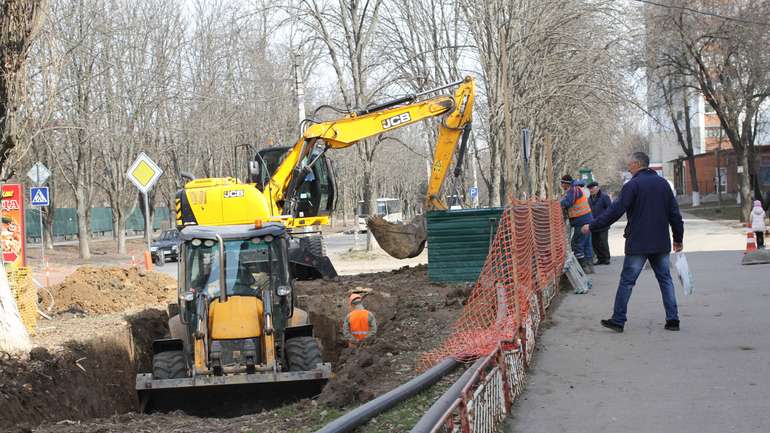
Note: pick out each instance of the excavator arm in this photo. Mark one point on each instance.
(347, 131)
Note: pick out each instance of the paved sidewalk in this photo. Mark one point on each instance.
(712, 376)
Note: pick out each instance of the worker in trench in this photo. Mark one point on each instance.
(360, 323)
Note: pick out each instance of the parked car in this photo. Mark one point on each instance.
(165, 247)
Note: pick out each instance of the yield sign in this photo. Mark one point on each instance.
(144, 173)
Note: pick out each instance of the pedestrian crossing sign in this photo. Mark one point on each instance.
(39, 196)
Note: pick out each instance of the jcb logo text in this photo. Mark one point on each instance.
(396, 120)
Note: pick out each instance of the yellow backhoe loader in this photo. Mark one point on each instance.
(235, 323)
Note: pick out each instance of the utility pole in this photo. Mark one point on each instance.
(299, 86)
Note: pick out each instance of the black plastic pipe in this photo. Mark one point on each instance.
(369, 410)
(439, 408)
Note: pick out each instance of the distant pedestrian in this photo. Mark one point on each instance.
(758, 223)
(575, 201)
(650, 208)
(360, 323)
(599, 202)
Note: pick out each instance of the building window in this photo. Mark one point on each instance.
(714, 131)
(679, 115)
(709, 108)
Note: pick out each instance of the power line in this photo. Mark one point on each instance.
(706, 13)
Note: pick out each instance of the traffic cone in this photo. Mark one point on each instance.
(751, 242)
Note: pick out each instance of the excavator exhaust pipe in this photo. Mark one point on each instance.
(400, 240)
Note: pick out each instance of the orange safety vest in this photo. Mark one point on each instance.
(359, 324)
(580, 207)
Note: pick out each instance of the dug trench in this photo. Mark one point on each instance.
(86, 384)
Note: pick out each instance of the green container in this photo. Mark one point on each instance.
(458, 242)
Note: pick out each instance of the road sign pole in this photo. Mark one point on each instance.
(147, 227)
(42, 238)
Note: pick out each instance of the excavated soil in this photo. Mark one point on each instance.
(78, 379)
(413, 314)
(103, 290)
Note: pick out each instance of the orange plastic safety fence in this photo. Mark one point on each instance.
(526, 255)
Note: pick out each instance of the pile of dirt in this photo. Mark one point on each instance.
(102, 290)
(78, 379)
(413, 315)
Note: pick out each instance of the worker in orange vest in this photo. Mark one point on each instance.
(360, 323)
(575, 201)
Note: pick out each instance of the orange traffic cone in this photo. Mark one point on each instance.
(751, 242)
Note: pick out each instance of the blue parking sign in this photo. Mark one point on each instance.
(473, 192)
(38, 196)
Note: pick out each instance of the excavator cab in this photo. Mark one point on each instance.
(315, 191)
(235, 322)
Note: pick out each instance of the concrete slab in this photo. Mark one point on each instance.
(712, 376)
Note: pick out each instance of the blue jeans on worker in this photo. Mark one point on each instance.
(581, 244)
(632, 267)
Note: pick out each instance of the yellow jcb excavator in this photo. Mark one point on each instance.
(235, 323)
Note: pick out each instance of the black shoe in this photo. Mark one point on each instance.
(603, 262)
(612, 325)
(672, 325)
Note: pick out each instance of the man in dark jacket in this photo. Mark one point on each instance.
(600, 202)
(650, 208)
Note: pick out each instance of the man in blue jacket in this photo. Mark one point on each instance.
(600, 202)
(650, 207)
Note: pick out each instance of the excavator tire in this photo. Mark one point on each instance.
(315, 245)
(169, 365)
(400, 240)
(303, 353)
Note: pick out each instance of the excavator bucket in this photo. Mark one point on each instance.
(400, 240)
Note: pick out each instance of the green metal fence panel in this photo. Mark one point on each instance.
(32, 222)
(66, 221)
(458, 242)
(136, 220)
(101, 220)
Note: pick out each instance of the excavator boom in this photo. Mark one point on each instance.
(399, 240)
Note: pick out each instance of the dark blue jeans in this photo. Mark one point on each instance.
(581, 244)
(632, 267)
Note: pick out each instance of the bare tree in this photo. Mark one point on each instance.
(726, 56)
(19, 23)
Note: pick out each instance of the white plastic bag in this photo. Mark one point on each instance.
(684, 274)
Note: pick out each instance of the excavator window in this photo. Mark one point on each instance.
(246, 267)
(318, 188)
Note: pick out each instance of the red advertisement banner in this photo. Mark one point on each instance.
(12, 224)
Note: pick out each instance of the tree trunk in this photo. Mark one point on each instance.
(494, 177)
(48, 221)
(693, 180)
(121, 233)
(13, 335)
(83, 229)
(745, 186)
(367, 196)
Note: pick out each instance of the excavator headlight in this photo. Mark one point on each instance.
(283, 290)
(196, 242)
(208, 243)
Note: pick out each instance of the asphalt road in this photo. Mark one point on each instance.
(712, 376)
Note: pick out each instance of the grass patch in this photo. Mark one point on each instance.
(405, 415)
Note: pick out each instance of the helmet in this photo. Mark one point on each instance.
(355, 298)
